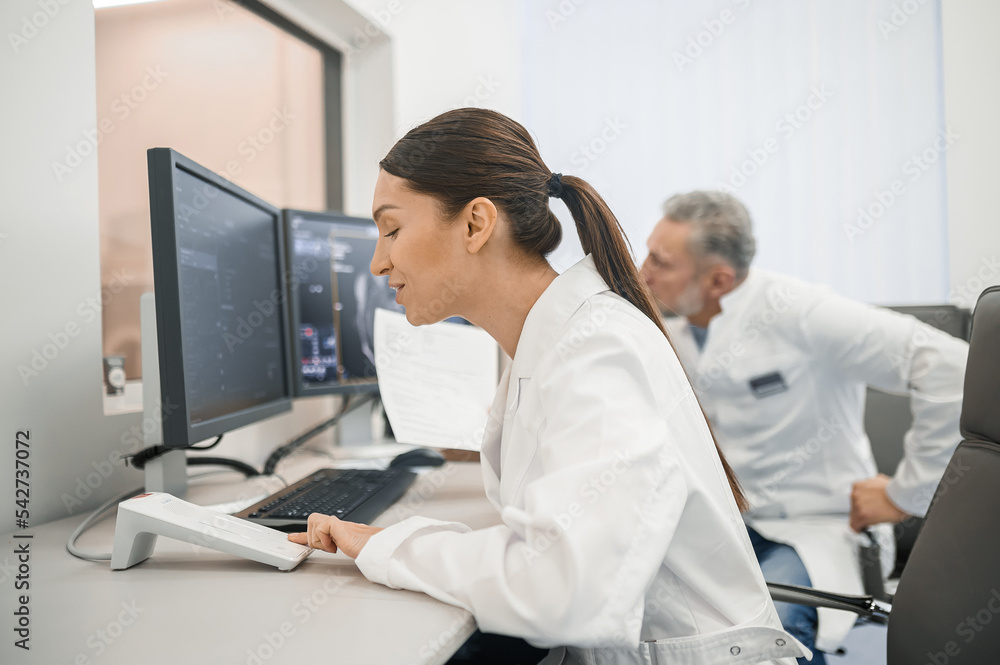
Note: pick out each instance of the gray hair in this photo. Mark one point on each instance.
(722, 227)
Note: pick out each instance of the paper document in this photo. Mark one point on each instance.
(437, 382)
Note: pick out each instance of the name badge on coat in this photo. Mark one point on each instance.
(766, 385)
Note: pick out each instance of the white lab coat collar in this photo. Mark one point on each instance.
(756, 287)
(737, 299)
(546, 318)
(739, 292)
(687, 349)
(552, 311)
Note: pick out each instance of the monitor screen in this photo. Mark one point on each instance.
(333, 301)
(221, 314)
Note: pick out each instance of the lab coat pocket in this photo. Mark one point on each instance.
(765, 389)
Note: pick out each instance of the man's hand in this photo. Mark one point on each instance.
(331, 534)
(870, 503)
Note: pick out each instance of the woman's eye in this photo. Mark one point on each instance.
(391, 234)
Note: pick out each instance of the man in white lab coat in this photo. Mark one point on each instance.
(781, 368)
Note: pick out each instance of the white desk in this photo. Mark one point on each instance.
(187, 604)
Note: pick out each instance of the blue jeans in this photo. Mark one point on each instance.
(780, 563)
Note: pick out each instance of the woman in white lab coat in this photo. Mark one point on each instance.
(621, 539)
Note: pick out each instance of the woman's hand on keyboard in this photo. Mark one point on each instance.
(331, 534)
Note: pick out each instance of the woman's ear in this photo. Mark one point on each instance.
(479, 220)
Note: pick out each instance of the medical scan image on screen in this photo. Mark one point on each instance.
(337, 296)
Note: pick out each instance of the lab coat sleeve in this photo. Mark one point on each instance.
(898, 353)
(572, 565)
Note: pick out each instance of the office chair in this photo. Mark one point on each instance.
(946, 610)
(887, 419)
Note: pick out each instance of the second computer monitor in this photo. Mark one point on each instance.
(333, 298)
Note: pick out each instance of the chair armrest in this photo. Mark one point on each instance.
(864, 606)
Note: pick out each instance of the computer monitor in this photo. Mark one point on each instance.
(333, 297)
(221, 313)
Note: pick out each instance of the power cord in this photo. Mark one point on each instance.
(138, 460)
(236, 464)
(103, 508)
(209, 446)
(279, 454)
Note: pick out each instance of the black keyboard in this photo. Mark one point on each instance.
(353, 495)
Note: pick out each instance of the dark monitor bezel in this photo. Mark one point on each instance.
(178, 432)
(301, 388)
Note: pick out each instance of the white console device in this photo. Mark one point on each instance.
(142, 518)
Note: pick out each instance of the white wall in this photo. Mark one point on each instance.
(49, 264)
(450, 53)
(410, 61)
(443, 49)
(801, 109)
(972, 109)
(368, 94)
(49, 260)
(442, 54)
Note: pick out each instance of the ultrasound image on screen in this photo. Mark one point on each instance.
(231, 323)
(338, 297)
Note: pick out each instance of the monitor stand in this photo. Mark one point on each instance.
(168, 472)
(362, 426)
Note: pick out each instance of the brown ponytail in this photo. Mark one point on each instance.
(601, 236)
(471, 152)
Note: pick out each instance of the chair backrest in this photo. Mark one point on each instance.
(888, 418)
(947, 606)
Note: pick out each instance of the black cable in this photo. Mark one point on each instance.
(283, 451)
(280, 453)
(138, 460)
(243, 467)
(209, 446)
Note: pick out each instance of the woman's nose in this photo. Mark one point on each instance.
(380, 260)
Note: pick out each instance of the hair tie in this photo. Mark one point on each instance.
(555, 185)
